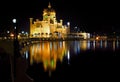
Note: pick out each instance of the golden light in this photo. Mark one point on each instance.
(19, 36)
(48, 53)
(12, 35)
(97, 38)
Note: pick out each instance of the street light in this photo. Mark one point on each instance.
(14, 20)
(15, 29)
(68, 23)
(16, 46)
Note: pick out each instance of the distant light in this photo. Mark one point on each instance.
(68, 55)
(97, 38)
(14, 20)
(8, 31)
(88, 35)
(26, 53)
(11, 35)
(26, 33)
(76, 27)
(19, 33)
(101, 43)
(15, 27)
(22, 32)
(68, 23)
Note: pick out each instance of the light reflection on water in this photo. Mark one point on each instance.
(49, 53)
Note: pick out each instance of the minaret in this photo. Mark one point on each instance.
(61, 22)
(31, 29)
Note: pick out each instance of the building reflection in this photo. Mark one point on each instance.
(114, 45)
(48, 53)
(85, 45)
(117, 44)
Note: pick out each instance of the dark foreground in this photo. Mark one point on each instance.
(91, 65)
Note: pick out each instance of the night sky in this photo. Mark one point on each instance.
(89, 16)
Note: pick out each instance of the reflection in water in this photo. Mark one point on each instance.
(94, 44)
(83, 45)
(117, 44)
(101, 44)
(114, 45)
(50, 52)
(76, 46)
(26, 54)
(68, 56)
(105, 43)
(88, 44)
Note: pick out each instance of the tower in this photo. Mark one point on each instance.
(31, 28)
(49, 14)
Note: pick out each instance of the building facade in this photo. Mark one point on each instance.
(49, 26)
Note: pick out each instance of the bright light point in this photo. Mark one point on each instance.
(11, 35)
(68, 23)
(68, 55)
(22, 32)
(26, 54)
(14, 20)
(26, 33)
(97, 38)
(15, 27)
(88, 35)
(8, 31)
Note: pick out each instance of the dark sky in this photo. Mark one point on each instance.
(90, 16)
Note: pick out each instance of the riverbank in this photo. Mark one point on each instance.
(6, 46)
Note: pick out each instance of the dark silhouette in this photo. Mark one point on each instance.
(5, 66)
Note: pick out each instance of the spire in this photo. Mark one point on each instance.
(49, 5)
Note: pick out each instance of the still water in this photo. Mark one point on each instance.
(60, 60)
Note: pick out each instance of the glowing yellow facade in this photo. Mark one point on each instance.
(49, 26)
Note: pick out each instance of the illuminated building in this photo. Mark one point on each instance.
(49, 26)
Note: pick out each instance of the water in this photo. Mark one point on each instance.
(72, 60)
